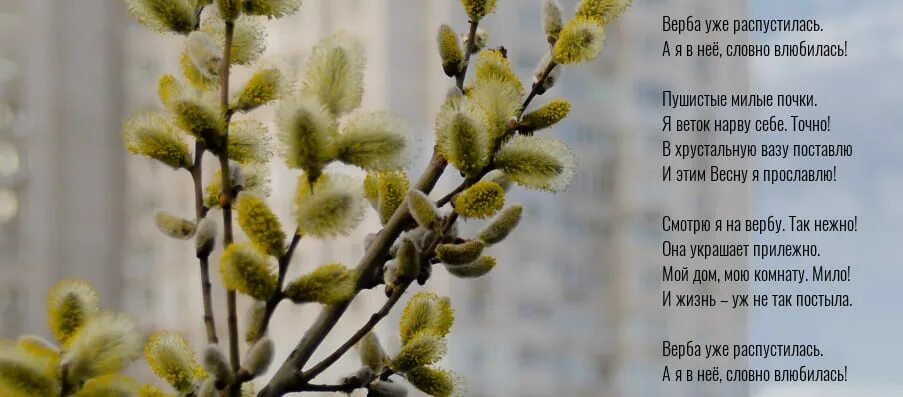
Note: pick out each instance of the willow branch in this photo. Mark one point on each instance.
(278, 295)
(203, 258)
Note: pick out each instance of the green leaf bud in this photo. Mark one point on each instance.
(477, 9)
(259, 357)
(481, 200)
(391, 193)
(537, 162)
(171, 358)
(459, 254)
(424, 348)
(215, 364)
(423, 210)
(581, 40)
(174, 226)
(70, 304)
(333, 206)
(249, 142)
(475, 269)
(335, 73)
(246, 270)
(462, 136)
(493, 65)
(111, 385)
(23, 375)
(502, 225)
(307, 132)
(433, 381)
(375, 141)
(546, 116)
(551, 18)
(603, 11)
(260, 224)
(105, 344)
(204, 53)
(371, 352)
(426, 312)
(271, 8)
(381, 388)
(152, 135)
(449, 50)
(163, 15)
(328, 284)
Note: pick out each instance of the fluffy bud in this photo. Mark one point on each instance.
(374, 141)
(477, 9)
(335, 73)
(423, 210)
(194, 76)
(542, 81)
(449, 50)
(500, 102)
(537, 162)
(163, 15)
(307, 132)
(371, 189)
(462, 136)
(249, 142)
(105, 344)
(603, 11)
(481, 38)
(271, 8)
(264, 86)
(248, 39)
(228, 9)
(481, 200)
(381, 388)
(168, 89)
(111, 385)
(174, 226)
(493, 65)
(215, 364)
(459, 254)
(426, 312)
(39, 347)
(327, 284)
(423, 348)
(170, 357)
(153, 136)
(551, 18)
(197, 118)
(260, 224)
(408, 259)
(22, 375)
(499, 177)
(390, 275)
(208, 389)
(581, 40)
(259, 357)
(432, 381)
(546, 116)
(502, 225)
(475, 269)
(371, 352)
(204, 53)
(70, 304)
(333, 206)
(253, 321)
(391, 191)
(246, 270)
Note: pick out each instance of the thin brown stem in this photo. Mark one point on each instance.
(471, 47)
(203, 257)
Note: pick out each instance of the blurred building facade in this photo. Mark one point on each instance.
(572, 310)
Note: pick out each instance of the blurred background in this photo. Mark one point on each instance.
(574, 307)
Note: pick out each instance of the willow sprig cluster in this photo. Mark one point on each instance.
(485, 129)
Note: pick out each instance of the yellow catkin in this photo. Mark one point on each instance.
(482, 200)
(580, 40)
(260, 224)
(246, 270)
(546, 116)
(327, 284)
(171, 358)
